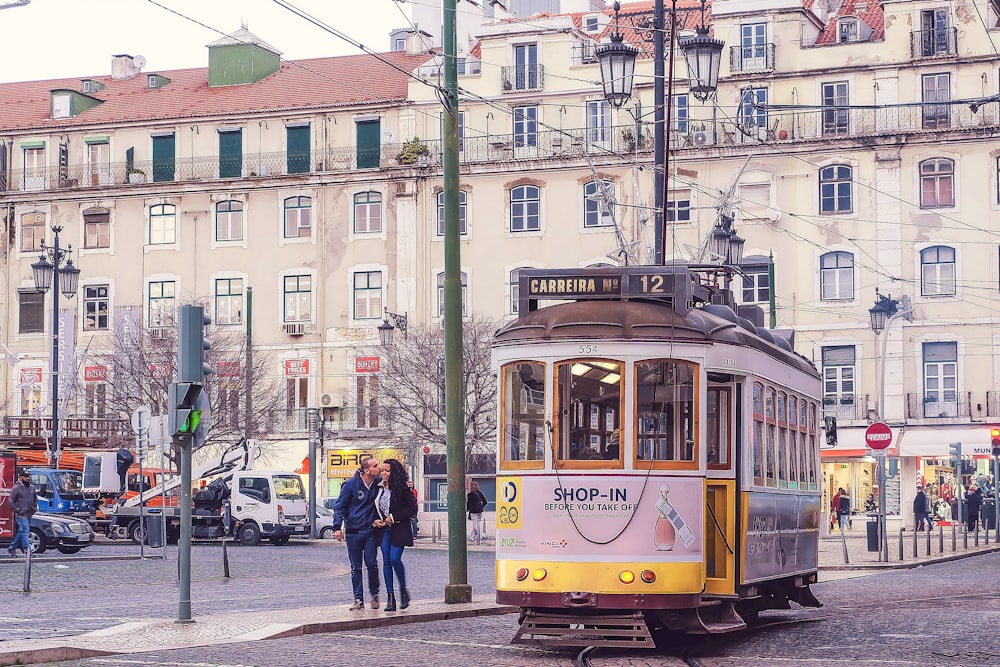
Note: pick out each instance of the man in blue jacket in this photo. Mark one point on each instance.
(355, 510)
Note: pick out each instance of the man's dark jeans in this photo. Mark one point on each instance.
(362, 547)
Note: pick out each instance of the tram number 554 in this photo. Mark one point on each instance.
(587, 349)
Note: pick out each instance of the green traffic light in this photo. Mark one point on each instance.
(190, 424)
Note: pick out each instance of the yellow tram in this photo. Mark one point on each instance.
(658, 458)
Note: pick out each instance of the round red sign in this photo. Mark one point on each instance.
(878, 435)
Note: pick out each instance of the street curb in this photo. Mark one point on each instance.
(909, 565)
(383, 621)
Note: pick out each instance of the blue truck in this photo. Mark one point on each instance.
(61, 492)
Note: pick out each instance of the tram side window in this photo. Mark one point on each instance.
(758, 434)
(664, 407)
(718, 427)
(770, 431)
(590, 395)
(813, 446)
(784, 462)
(523, 415)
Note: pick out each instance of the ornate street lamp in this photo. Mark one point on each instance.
(386, 329)
(617, 61)
(55, 266)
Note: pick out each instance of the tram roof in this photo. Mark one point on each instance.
(641, 320)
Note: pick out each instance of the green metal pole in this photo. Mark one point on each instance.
(770, 291)
(458, 589)
(248, 375)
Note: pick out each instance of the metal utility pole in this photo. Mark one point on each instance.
(458, 589)
(313, 424)
(248, 379)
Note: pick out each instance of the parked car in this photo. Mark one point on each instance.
(324, 522)
(328, 502)
(65, 533)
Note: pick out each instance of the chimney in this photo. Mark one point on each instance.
(124, 66)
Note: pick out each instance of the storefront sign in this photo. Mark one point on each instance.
(228, 369)
(161, 371)
(341, 463)
(95, 373)
(297, 367)
(367, 364)
(30, 376)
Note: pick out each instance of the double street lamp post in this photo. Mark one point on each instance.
(55, 266)
(703, 54)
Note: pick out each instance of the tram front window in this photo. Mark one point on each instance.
(590, 394)
(664, 407)
(523, 412)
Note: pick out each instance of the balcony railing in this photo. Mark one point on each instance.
(697, 134)
(95, 431)
(993, 404)
(343, 420)
(846, 407)
(515, 78)
(755, 58)
(934, 43)
(943, 405)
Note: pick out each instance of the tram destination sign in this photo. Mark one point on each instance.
(672, 285)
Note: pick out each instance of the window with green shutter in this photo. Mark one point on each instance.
(369, 143)
(230, 153)
(164, 157)
(298, 149)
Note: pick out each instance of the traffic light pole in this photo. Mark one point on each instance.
(183, 445)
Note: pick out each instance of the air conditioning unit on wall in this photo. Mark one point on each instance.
(295, 329)
(702, 138)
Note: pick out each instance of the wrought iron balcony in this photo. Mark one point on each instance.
(846, 407)
(754, 58)
(934, 43)
(940, 405)
(76, 431)
(516, 78)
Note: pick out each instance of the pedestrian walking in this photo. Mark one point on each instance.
(844, 510)
(920, 509)
(355, 512)
(395, 505)
(24, 502)
(973, 501)
(475, 505)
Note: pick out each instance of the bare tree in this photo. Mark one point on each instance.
(412, 389)
(141, 365)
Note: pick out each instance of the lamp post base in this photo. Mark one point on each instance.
(457, 593)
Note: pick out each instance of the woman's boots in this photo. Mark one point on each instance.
(404, 597)
(390, 604)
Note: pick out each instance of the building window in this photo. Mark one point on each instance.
(229, 221)
(835, 189)
(937, 183)
(230, 153)
(525, 127)
(598, 204)
(367, 401)
(940, 379)
(440, 294)
(937, 271)
(298, 217)
(161, 304)
(515, 290)
(229, 301)
(936, 88)
(598, 121)
(297, 292)
(367, 212)
(96, 398)
(32, 232)
(678, 209)
(34, 168)
(399, 44)
(756, 284)
(847, 30)
(30, 312)
(753, 108)
(526, 70)
(95, 307)
(162, 224)
(462, 213)
(679, 114)
(525, 205)
(755, 202)
(367, 295)
(835, 111)
(934, 32)
(838, 375)
(99, 163)
(96, 229)
(836, 273)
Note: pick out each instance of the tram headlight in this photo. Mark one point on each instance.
(626, 576)
(648, 576)
(539, 574)
(522, 573)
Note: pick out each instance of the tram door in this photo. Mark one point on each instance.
(721, 428)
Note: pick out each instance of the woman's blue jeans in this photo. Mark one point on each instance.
(392, 559)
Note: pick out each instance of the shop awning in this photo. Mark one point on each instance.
(933, 441)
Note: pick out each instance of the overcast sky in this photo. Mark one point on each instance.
(50, 39)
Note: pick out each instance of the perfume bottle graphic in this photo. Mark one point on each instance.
(669, 525)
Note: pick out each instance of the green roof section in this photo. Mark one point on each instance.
(78, 103)
(241, 58)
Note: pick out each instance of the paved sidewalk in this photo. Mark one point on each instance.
(230, 628)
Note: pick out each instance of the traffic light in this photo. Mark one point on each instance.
(191, 344)
(995, 439)
(184, 408)
(955, 454)
(830, 422)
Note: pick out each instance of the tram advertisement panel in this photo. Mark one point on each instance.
(782, 533)
(600, 518)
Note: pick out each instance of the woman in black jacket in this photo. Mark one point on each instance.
(395, 505)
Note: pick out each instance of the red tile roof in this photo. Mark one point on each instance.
(299, 84)
(869, 11)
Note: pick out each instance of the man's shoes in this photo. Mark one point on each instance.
(359, 605)
(404, 598)
(374, 600)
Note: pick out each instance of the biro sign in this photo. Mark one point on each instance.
(878, 435)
